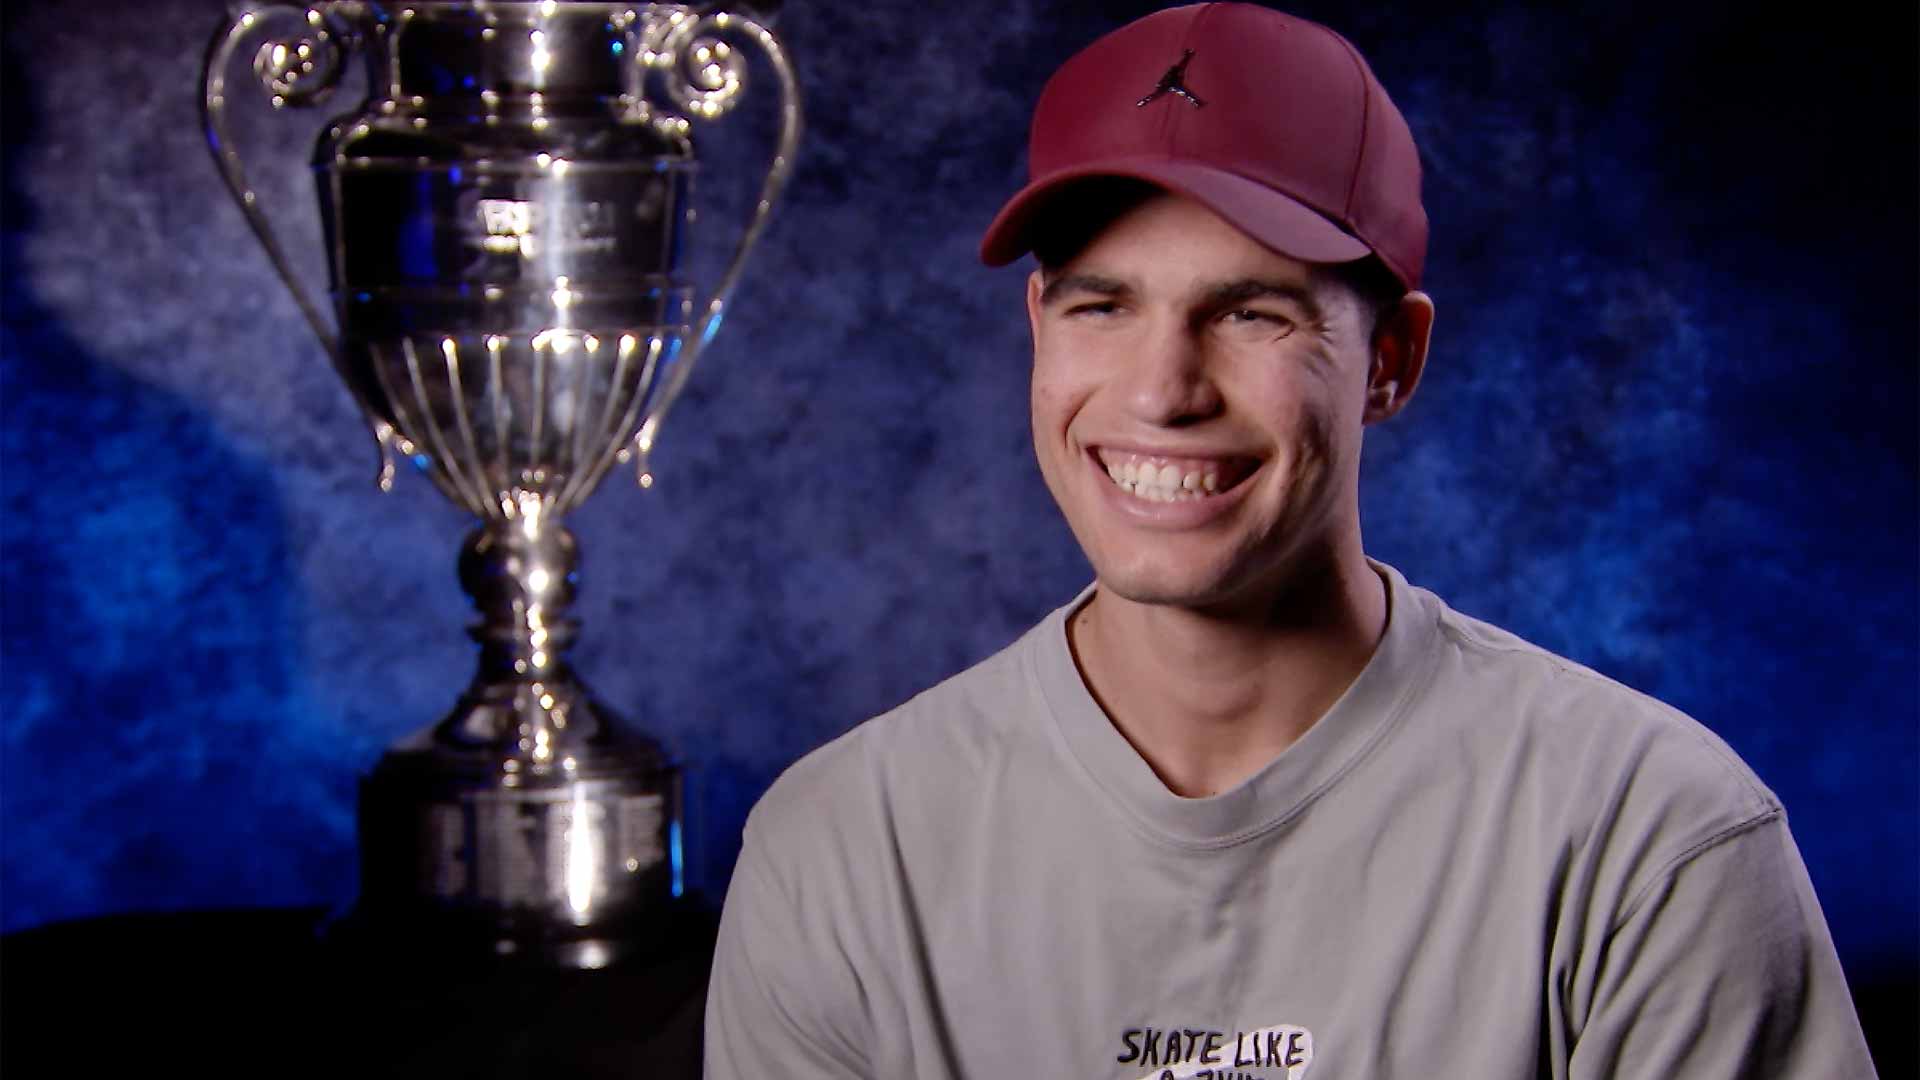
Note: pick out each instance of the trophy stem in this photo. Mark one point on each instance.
(529, 821)
(524, 701)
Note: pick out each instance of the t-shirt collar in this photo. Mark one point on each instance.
(1284, 787)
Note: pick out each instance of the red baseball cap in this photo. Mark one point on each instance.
(1273, 122)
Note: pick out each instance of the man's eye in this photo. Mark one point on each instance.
(1265, 324)
(1249, 317)
(1094, 307)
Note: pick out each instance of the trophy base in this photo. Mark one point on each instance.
(463, 853)
(435, 941)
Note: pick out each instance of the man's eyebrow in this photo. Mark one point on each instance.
(1088, 283)
(1244, 289)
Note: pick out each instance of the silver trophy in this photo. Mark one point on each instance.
(504, 219)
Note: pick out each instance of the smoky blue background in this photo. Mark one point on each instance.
(1667, 430)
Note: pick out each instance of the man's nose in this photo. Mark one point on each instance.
(1170, 381)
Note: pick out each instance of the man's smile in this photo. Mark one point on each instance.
(1169, 478)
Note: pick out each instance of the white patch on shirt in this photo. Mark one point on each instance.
(1281, 1050)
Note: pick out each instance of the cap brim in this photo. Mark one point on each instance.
(1276, 220)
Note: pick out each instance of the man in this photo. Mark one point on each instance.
(1252, 805)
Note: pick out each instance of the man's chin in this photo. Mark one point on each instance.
(1180, 589)
(1227, 590)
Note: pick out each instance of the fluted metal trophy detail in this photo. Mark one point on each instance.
(504, 219)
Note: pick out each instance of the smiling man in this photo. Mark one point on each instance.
(1252, 804)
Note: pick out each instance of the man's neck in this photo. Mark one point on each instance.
(1209, 699)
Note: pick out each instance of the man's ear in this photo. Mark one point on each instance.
(1399, 356)
(1035, 284)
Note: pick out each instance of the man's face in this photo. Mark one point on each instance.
(1197, 407)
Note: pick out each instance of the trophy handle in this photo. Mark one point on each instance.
(715, 81)
(297, 69)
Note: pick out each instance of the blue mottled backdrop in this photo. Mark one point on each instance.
(1668, 430)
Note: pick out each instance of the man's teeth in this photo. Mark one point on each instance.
(1164, 483)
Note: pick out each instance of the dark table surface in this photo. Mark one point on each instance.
(282, 992)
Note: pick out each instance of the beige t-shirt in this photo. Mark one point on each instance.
(1484, 861)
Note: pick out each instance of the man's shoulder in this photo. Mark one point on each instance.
(932, 747)
(1624, 755)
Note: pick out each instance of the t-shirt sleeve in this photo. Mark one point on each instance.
(1722, 968)
(783, 1001)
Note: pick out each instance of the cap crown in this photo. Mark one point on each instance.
(1243, 90)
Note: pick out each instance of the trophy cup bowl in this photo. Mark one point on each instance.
(504, 218)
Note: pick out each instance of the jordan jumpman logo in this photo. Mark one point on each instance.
(1172, 83)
